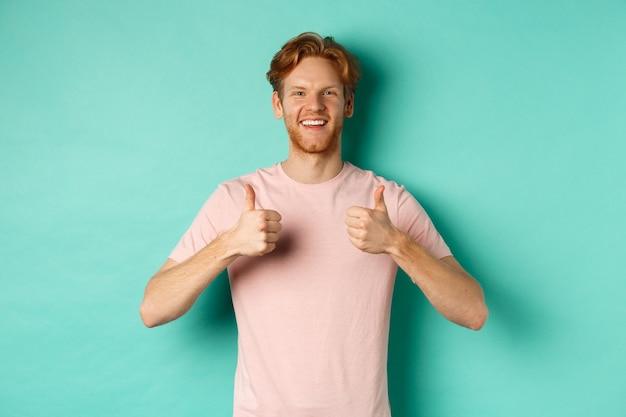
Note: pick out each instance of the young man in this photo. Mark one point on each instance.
(312, 246)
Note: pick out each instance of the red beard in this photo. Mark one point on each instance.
(327, 146)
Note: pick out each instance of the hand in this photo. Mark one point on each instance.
(256, 232)
(370, 230)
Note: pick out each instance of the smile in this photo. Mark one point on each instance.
(313, 122)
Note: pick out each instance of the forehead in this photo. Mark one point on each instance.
(314, 71)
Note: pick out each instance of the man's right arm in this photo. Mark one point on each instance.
(173, 290)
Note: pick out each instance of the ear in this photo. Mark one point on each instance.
(277, 105)
(349, 106)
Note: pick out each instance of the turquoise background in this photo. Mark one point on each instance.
(507, 120)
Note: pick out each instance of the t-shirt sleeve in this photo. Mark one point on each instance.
(413, 219)
(212, 219)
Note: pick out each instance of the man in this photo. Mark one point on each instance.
(312, 247)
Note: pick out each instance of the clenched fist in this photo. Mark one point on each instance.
(370, 230)
(256, 232)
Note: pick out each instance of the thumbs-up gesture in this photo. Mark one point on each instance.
(256, 232)
(370, 230)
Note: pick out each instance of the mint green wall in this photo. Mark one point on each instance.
(506, 119)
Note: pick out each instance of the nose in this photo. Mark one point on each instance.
(315, 103)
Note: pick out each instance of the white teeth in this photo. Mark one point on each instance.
(313, 122)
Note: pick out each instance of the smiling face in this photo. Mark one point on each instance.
(313, 105)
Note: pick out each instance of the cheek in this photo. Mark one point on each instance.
(291, 111)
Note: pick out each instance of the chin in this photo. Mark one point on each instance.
(315, 148)
(327, 145)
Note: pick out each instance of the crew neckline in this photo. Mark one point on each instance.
(336, 178)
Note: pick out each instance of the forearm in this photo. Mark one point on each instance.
(173, 290)
(448, 287)
(175, 287)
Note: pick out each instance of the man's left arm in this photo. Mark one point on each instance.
(449, 288)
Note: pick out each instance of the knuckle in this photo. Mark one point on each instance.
(261, 247)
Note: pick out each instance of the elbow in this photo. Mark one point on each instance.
(479, 318)
(479, 313)
(149, 324)
(153, 315)
(147, 316)
(473, 320)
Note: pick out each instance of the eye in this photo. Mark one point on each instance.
(329, 93)
(298, 93)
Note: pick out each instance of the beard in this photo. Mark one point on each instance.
(326, 146)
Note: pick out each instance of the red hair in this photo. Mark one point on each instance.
(311, 44)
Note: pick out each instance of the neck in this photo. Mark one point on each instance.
(312, 168)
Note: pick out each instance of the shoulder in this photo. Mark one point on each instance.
(369, 178)
(265, 182)
(259, 177)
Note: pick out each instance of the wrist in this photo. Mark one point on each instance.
(228, 251)
(398, 242)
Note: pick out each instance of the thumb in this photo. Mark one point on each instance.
(379, 199)
(249, 202)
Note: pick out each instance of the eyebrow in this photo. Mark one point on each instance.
(299, 87)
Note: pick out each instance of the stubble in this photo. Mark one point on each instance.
(327, 146)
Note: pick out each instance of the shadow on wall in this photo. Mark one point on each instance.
(356, 138)
(518, 321)
(214, 314)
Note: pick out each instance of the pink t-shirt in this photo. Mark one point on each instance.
(313, 315)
